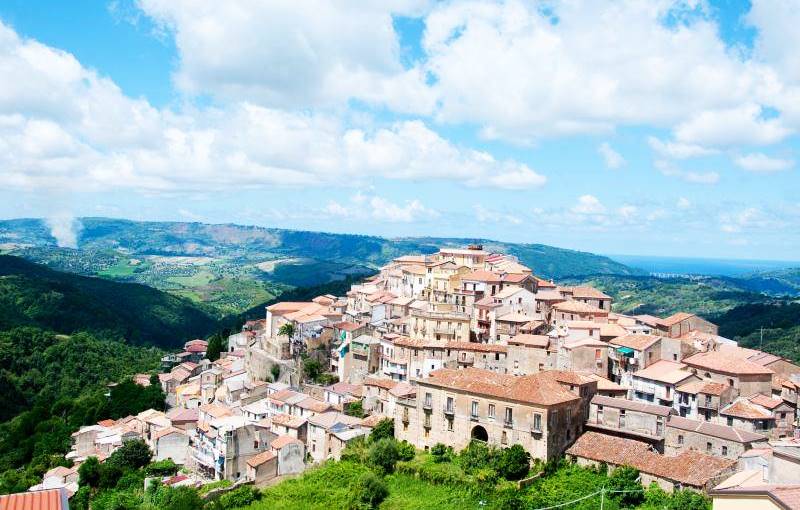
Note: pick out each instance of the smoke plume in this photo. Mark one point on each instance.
(64, 227)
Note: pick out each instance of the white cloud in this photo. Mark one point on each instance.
(588, 204)
(683, 203)
(748, 219)
(374, 207)
(759, 162)
(677, 150)
(292, 53)
(669, 169)
(64, 227)
(62, 126)
(744, 124)
(521, 75)
(485, 215)
(612, 158)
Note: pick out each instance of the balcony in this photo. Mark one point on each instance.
(508, 423)
(473, 417)
(536, 428)
(427, 405)
(466, 359)
(449, 410)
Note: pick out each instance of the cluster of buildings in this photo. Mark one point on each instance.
(464, 345)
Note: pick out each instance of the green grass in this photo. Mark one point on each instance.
(198, 279)
(408, 492)
(122, 269)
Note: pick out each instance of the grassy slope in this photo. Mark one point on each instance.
(31, 294)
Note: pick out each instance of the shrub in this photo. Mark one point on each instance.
(368, 492)
(512, 463)
(475, 456)
(626, 479)
(441, 452)
(383, 455)
(89, 473)
(164, 467)
(239, 497)
(355, 409)
(406, 450)
(384, 428)
(131, 455)
(275, 370)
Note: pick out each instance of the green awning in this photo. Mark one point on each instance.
(625, 350)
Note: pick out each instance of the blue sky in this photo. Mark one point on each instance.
(656, 128)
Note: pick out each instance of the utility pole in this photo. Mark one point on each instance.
(761, 339)
(602, 497)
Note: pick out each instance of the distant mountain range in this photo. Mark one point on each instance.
(230, 268)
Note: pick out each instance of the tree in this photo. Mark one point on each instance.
(475, 456)
(384, 428)
(311, 369)
(354, 409)
(217, 344)
(275, 370)
(383, 455)
(368, 492)
(441, 452)
(626, 479)
(133, 454)
(512, 463)
(89, 473)
(287, 329)
(240, 497)
(164, 467)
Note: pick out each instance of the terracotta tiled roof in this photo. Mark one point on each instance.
(261, 458)
(380, 382)
(474, 346)
(743, 408)
(587, 292)
(403, 389)
(704, 387)
(372, 420)
(726, 363)
(665, 371)
(167, 431)
(534, 389)
(347, 326)
(636, 342)
(52, 499)
(313, 404)
(690, 468)
(765, 401)
(578, 307)
(541, 341)
(282, 441)
(714, 430)
(676, 318)
(482, 276)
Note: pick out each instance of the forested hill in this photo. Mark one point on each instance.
(33, 295)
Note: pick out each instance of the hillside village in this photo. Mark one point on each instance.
(466, 345)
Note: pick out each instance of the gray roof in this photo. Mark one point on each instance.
(630, 405)
(715, 430)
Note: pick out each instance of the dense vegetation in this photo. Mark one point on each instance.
(52, 384)
(380, 472)
(33, 295)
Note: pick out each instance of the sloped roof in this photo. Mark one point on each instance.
(51, 499)
(690, 467)
(665, 371)
(631, 405)
(261, 458)
(535, 389)
(726, 363)
(635, 341)
(708, 428)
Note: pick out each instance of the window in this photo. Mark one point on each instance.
(730, 421)
(491, 411)
(255, 444)
(598, 354)
(450, 404)
(449, 424)
(509, 416)
(680, 438)
(709, 447)
(504, 438)
(724, 451)
(537, 422)
(497, 356)
(474, 411)
(622, 418)
(730, 382)
(428, 400)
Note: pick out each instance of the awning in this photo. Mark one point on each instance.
(625, 350)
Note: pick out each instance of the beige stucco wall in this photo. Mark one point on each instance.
(743, 503)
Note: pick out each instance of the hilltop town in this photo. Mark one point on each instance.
(467, 345)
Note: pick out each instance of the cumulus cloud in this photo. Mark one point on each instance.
(63, 126)
(683, 203)
(745, 124)
(612, 158)
(669, 169)
(486, 215)
(588, 204)
(759, 162)
(677, 150)
(374, 207)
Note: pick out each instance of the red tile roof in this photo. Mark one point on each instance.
(690, 468)
(726, 363)
(537, 389)
(261, 458)
(52, 499)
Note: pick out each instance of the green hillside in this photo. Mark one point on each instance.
(231, 268)
(33, 295)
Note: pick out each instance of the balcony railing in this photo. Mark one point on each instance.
(537, 429)
(508, 423)
(449, 410)
(473, 417)
(427, 405)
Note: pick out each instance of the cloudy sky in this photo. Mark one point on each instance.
(625, 127)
